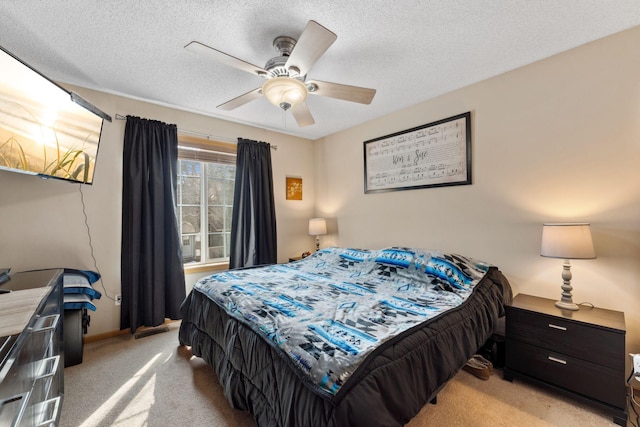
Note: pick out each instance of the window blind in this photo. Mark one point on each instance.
(204, 150)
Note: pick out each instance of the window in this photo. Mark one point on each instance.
(206, 175)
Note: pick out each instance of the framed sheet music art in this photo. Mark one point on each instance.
(437, 154)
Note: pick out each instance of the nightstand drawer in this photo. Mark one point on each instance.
(580, 340)
(579, 376)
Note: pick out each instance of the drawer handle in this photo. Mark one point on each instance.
(555, 359)
(48, 412)
(48, 323)
(561, 328)
(48, 367)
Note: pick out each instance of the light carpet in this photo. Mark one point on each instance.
(152, 381)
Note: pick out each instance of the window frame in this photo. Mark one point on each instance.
(203, 150)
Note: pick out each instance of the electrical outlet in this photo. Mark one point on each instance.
(118, 299)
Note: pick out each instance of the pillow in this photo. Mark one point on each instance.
(448, 271)
(395, 257)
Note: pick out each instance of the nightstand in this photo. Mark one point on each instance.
(579, 353)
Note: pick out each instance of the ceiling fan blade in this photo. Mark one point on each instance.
(224, 58)
(302, 114)
(312, 44)
(241, 100)
(361, 95)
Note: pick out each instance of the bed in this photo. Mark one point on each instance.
(344, 337)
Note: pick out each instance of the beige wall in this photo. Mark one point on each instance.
(42, 223)
(558, 140)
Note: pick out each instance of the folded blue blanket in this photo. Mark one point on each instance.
(77, 302)
(79, 282)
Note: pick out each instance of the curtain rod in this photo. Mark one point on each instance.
(200, 134)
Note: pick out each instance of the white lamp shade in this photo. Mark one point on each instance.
(317, 227)
(284, 92)
(567, 240)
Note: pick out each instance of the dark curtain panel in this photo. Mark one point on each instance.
(152, 275)
(253, 222)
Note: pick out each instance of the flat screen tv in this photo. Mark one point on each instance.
(45, 130)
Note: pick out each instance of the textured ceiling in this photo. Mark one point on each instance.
(408, 50)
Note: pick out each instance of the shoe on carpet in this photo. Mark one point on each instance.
(478, 369)
(484, 361)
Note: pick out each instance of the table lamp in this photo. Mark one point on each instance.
(567, 241)
(317, 227)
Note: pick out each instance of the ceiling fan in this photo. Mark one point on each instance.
(285, 75)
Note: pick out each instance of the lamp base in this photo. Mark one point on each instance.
(566, 301)
(563, 305)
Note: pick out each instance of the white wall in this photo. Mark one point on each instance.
(558, 140)
(42, 222)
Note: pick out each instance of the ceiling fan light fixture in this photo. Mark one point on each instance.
(284, 92)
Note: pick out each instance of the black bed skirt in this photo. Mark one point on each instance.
(388, 389)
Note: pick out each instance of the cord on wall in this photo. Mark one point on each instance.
(95, 263)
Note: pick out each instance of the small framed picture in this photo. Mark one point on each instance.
(294, 188)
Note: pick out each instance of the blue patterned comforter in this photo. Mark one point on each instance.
(330, 310)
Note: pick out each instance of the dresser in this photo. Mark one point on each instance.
(31, 349)
(579, 353)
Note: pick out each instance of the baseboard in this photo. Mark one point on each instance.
(111, 334)
(104, 336)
